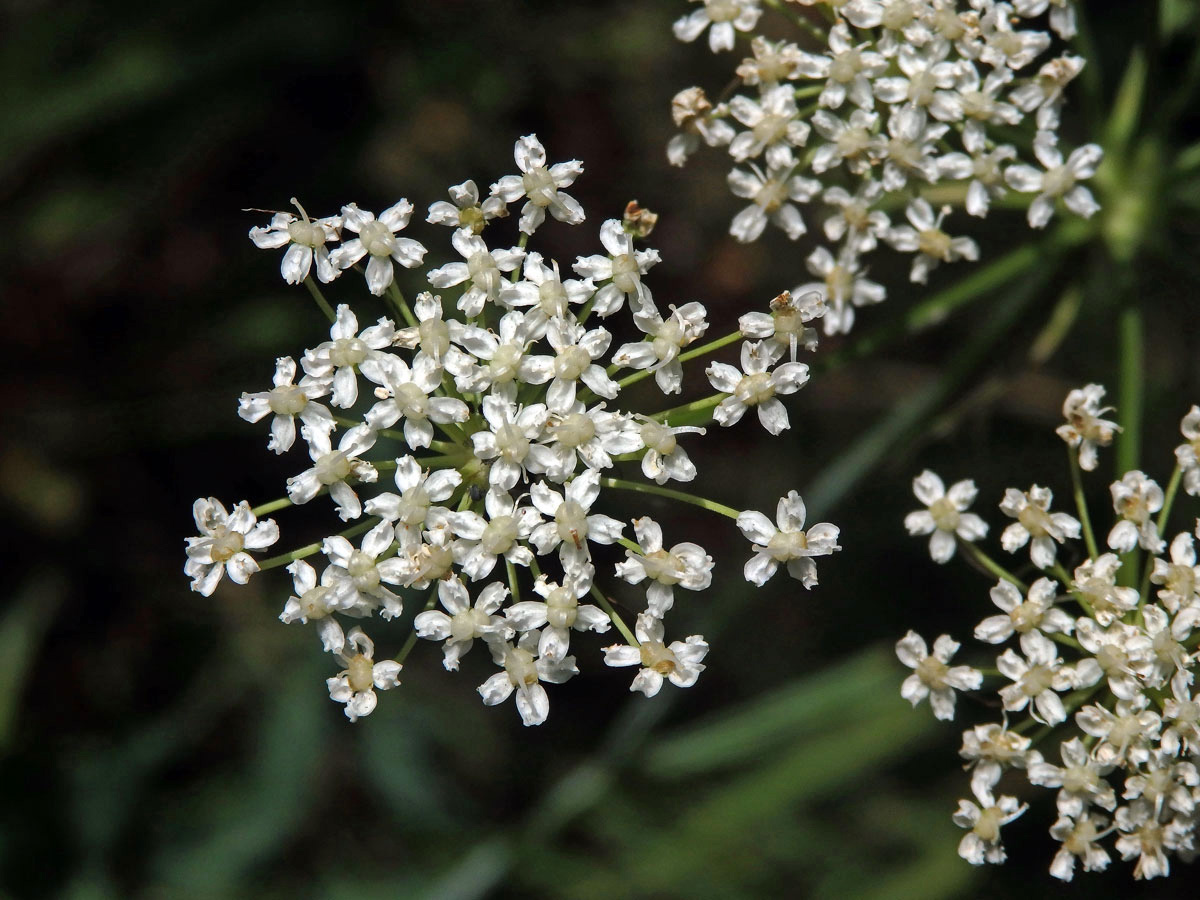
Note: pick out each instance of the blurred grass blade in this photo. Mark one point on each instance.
(809, 706)
(21, 631)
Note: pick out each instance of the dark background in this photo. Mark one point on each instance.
(158, 744)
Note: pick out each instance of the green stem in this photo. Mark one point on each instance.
(1085, 520)
(1130, 387)
(702, 502)
(513, 587)
(401, 305)
(412, 637)
(516, 273)
(682, 358)
(1129, 393)
(272, 506)
(607, 606)
(1169, 500)
(283, 559)
(1164, 513)
(680, 415)
(320, 298)
(629, 545)
(990, 565)
(711, 346)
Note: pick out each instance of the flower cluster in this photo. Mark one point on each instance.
(923, 106)
(472, 441)
(1096, 681)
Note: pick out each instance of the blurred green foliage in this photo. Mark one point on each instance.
(156, 744)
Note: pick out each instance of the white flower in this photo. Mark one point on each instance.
(1096, 582)
(1035, 525)
(1180, 578)
(523, 672)
(757, 387)
(1035, 678)
(495, 360)
(773, 62)
(1062, 15)
(849, 67)
(483, 268)
(541, 185)
(991, 748)
(548, 296)
(576, 351)
(665, 460)
(787, 323)
(1085, 428)
(1006, 46)
(667, 337)
(1081, 780)
(680, 662)
(843, 286)
(1080, 841)
(1188, 454)
(1124, 733)
(1121, 652)
(700, 121)
(686, 565)
(1182, 712)
(724, 16)
(770, 194)
(462, 624)
(434, 336)
(305, 240)
(773, 124)
(983, 168)
(287, 401)
(852, 141)
(507, 440)
(926, 81)
(946, 515)
(223, 542)
(859, 13)
(406, 393)
(1060, 180)
(331, 469)
(500, 534)
(377, 238)
(419, 491)
(982, 843)
(788, 543)
(1135, 499)
(927, 239)
(571, 526)
(336, 361)
(316, 603)
(559, 611)
(593, 435)
(466, 211)
(931, 676)
(1022, 615)
(1147, 839)
(910, 148)
(622, 268)
(359, 575)
(855, 220)
(355, 685)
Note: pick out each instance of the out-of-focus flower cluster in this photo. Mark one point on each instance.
(883, 106)
(470, 443)
(1096, 681)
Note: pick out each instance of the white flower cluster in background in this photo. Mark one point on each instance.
(472, 444)
(880, 120)
(1096, 681)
